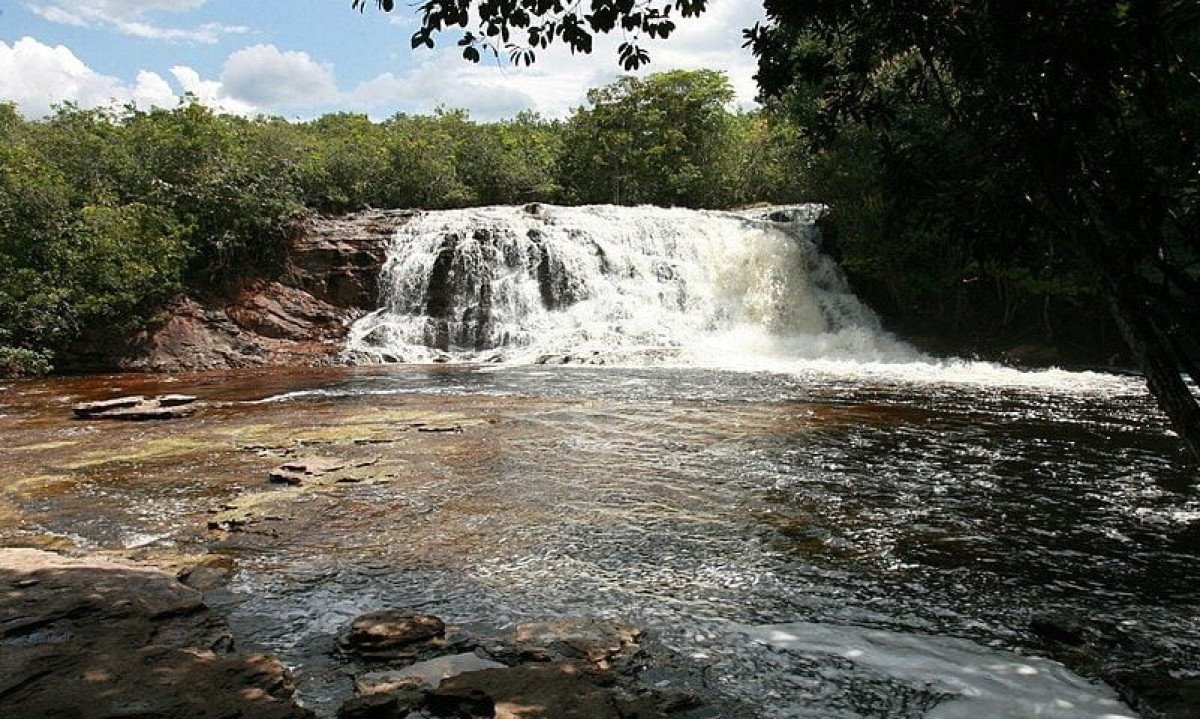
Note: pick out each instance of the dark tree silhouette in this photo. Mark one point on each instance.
(519, 28)
(1090, 109)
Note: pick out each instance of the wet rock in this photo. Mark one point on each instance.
(138, 408)
(89, 409)
(1060, 628)
(557, 691)
(284, 476)
(373, 706)
(174, 400)
(591, 640)
(395, 682)
(468, 703)
(1160, 695)
(439, 428)
(394, 634)
(96, 639)
(212, 572)
(430, 672)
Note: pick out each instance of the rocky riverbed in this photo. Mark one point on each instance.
(118, 530)
(596, 550)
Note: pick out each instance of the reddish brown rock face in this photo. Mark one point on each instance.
(300, 320)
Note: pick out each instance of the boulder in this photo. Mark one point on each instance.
(394, 634)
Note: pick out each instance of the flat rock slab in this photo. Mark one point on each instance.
(138, 408)
(88, 409)
(430, 672)
(549, 691)
(96, 639)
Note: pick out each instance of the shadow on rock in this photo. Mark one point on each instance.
(95, 638)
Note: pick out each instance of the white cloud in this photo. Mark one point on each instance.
(36, 76)
(53, 13)
(266, 76)
(210, 92)
(446, 81)
(128, 17)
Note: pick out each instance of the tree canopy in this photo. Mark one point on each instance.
(520, 28)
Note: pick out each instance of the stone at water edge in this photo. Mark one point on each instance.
(594, 641)
(211, 572)
(174, 400)
(95, 638)
(394, 633)
(137, 408)
(374, 706)
(430, 672)
(88, 409)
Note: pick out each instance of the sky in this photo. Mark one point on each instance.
(301, 59)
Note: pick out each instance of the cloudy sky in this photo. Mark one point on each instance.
(299, 59)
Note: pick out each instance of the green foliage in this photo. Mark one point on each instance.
(1044, 150)
(655, 140)
(973, 150)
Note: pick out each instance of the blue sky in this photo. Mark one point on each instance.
(301, 59)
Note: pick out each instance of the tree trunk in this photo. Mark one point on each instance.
(1158, 362)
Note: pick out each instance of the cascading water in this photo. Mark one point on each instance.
(614, 284)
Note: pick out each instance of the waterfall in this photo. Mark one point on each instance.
(614, 284)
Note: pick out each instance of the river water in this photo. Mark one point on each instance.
(829, 541)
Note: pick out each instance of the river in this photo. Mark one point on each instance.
(830, 541)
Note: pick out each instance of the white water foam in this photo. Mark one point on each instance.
(466, 284)
(980, 682)
(648, 286)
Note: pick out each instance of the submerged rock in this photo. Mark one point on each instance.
(1160, 695)
(295, 471)
(430, 672)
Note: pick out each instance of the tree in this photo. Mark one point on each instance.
(520, 28)
(657, 140)
(1084, 114)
